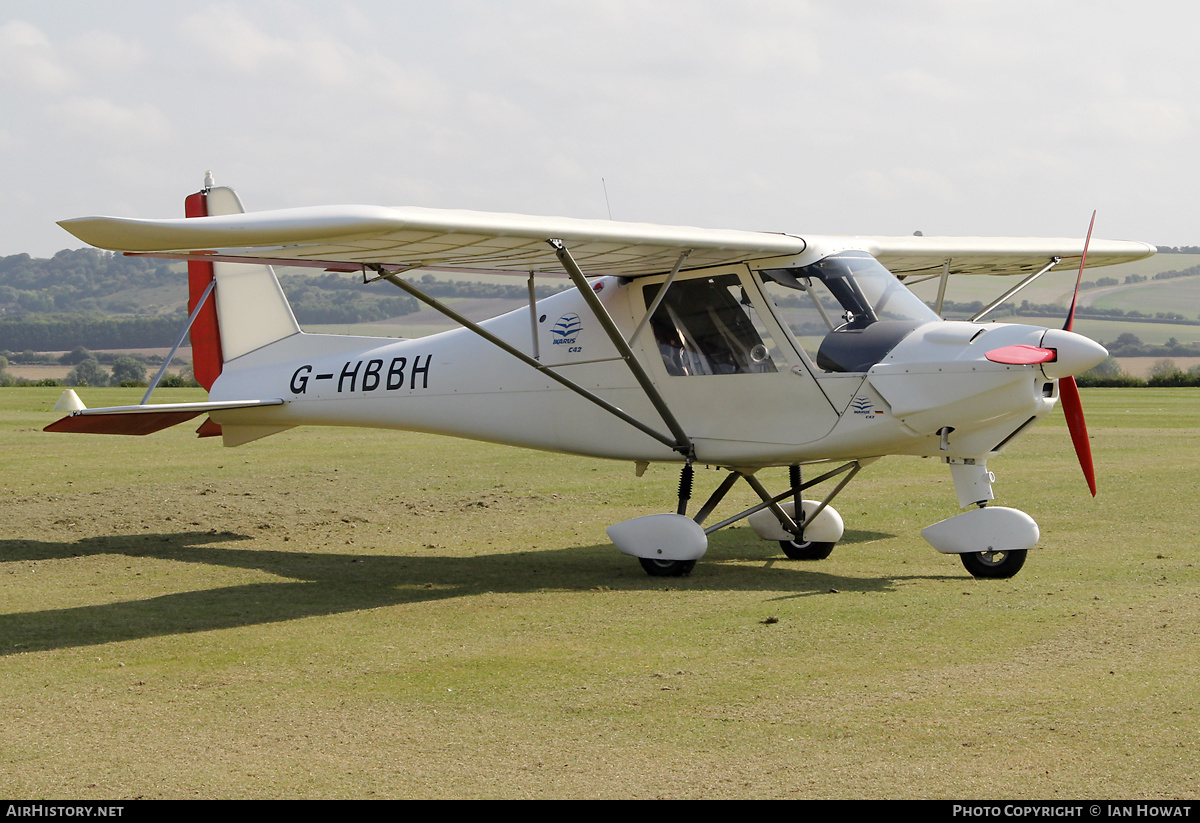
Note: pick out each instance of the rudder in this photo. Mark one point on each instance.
(207, 358)
(248, 309)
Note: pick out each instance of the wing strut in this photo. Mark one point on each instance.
(1054, 261)
(683, 443)
(941, 295)
(658, 298)
(433, 303)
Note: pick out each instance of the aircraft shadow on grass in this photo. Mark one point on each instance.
(322, 584)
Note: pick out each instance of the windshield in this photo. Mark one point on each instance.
(846, 310)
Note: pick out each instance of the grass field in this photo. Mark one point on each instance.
(360, 614)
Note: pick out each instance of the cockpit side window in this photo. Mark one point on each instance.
(709, 326)
(846, 311)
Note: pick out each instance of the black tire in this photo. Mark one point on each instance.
(667, 568)
(808, 550)
(995, 565)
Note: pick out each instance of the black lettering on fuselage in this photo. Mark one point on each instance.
(422, 370)
(371, 375)
(300, 380)
(395, 378)
(351, 373)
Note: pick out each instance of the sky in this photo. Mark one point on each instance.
(809, 117)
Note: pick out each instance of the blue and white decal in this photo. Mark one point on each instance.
(566, 332)
(863, 406)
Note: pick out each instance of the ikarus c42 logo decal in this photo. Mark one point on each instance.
(566, 332)
(863, 406)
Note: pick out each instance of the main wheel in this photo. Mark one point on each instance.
(667, 568)
(807, 550)
(994, 564)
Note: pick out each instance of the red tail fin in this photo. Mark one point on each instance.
(206, 335)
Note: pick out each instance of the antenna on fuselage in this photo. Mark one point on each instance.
(607, 205)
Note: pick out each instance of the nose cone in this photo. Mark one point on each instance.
(1074, 353)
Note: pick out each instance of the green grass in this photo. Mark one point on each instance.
(1180, 295)
(351, 613)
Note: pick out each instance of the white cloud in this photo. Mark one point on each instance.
(99, 118)
(107, 53)
(30, 63)
(800, 116)
(232, 42)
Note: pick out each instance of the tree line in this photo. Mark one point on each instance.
(88, 369)
(1164, 373)
(93, 298)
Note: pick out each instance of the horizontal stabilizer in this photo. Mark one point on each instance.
(144, 419)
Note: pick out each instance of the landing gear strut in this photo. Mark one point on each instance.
(668, 545)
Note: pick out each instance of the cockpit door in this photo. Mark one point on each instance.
(726, 368)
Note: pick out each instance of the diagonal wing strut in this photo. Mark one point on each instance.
(683, 443)
(679, 442)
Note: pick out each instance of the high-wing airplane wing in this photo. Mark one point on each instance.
(433, 237)
(419, 237)
(996, 255)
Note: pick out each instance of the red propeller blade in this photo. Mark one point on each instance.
(1068, 393)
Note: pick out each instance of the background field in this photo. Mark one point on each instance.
(1179, 295)
(332, 613)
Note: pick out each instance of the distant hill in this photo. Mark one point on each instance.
(94, 282)
(99, 300)
(1156, 299)
(81, 280)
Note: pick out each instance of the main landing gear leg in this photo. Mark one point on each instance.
(668, 545)
(659, 567)
(798, 548)
(813, 534)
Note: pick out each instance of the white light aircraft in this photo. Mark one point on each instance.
(735, 349)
